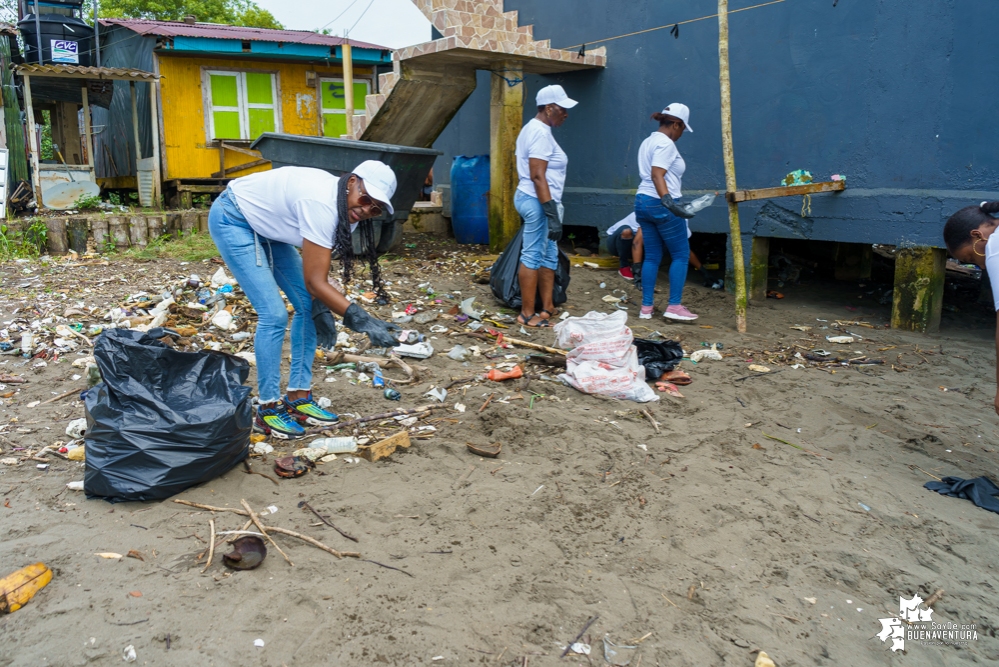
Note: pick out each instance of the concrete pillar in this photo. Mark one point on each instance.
(506, 117)
(757, 267)
(853, 261)
(919, 286)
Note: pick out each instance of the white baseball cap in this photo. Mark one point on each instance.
(555, 95)
(681, 111)
(379, 181)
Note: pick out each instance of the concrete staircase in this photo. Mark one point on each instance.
(429, 82)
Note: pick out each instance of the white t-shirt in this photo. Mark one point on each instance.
(632, 221)
(658, 150)
(290, 204)
(629, 221)
(536, 141)
(992, 265)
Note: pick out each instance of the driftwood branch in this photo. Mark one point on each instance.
(211, 545)
(260, 527)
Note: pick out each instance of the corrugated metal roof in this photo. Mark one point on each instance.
(78, 71)
(221, 31)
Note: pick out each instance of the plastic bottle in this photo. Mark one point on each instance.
(701, 203)
(392, 394)
(342, 445)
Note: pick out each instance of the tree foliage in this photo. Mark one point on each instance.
(234, 12)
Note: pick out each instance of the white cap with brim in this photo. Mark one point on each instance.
(555, 94)
(681, 111)
(379, 181)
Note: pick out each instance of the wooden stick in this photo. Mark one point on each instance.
(581, 633)
(210, 508)
(383, 415)
(61, 396)
(211, 545)
(534, 346)
(655, 424)
(486, 404)
(263, 530)
(383, 362)
(315, 543)
(933, 599)
(735, 232)
(329, 523)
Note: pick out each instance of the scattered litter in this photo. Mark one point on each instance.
(20, 586)
(460, 407)
(710, 354)
(864, 507)
(418, 351)
(110, 555)
(802, 328)
(128, 654)
(340, 445)
(458, 353)
(467, 309)
(77, 428)
(842, 340)
(438, 393)
(75, 486)
(757, 368)
(247, 553)
(618, 655)
(262, 448)
(580, 647)
(259, 643)
(311, 453)
(763, 660)
(223, 320)
(811, 600)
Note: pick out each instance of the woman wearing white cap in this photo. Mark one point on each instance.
(541, 164)
(256, 225)
(662, 219)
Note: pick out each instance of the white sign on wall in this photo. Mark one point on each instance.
(65, 51)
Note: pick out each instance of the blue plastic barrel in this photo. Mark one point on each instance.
(470, 199)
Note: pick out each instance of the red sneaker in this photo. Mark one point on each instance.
(625, 272)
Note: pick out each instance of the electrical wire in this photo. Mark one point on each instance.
(668, 25)
(354, 2)
(361, 16)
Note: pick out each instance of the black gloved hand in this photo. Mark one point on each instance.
(550, 208)
(679, 210)
(322, 318)
(381, 333)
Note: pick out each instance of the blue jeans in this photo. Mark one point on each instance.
(263, 269)
(660, 228)
(538, 250)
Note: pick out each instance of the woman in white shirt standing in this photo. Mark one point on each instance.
(662, 218)
(971, 239)
(541, 165)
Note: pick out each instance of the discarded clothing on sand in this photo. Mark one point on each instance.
(981, 490)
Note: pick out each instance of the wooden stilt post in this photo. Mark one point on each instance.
(735, 232)
(36, 180)
(154, 125)
(759, 265)
(348, 87)
(88, 132)
(917, 300)
(135, 127)
(506, 115)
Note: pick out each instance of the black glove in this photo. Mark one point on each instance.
(550, 208)
(679, 210)
(322, 318)
(382, 334)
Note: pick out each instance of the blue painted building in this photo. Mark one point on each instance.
(894, 95)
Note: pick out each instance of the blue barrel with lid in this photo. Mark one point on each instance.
(470, 199)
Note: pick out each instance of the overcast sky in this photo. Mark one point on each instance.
(392, 23)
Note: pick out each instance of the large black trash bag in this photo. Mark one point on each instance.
(162, 420)
(658, 356)
(505, 283)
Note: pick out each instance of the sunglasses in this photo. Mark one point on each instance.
(366, 201)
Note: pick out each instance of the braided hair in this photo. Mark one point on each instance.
(343, 244)
(957, 231)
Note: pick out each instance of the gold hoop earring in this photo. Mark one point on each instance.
(974, 248)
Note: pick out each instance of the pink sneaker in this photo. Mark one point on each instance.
(646, 313)
(679, 313)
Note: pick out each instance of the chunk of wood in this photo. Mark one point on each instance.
(386, 447)
(785, 191)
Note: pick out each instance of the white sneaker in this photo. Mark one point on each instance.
(678, 312)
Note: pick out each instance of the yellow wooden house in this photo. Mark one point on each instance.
(220, 87)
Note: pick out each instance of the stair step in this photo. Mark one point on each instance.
(372, 103)
(386, 82)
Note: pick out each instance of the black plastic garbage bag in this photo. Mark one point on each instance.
(658, 356)
(505, 284)
(162, 420)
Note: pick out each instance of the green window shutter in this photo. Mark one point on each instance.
(226, 125)
(258, 88)
(224, 90)
(333, 95)
(360, 91)
(334, 124)
(261, 120)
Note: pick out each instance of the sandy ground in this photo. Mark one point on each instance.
(702, 544)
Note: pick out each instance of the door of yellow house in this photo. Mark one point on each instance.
(332, 100)
(242, 104)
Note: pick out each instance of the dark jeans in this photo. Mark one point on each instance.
(621, 246)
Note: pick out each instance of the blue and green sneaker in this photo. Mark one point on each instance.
(274, 420)
(307, 411)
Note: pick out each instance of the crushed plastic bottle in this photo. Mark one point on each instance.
(203, 294)
(341, 445)
(392, 394)
(701, 203)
